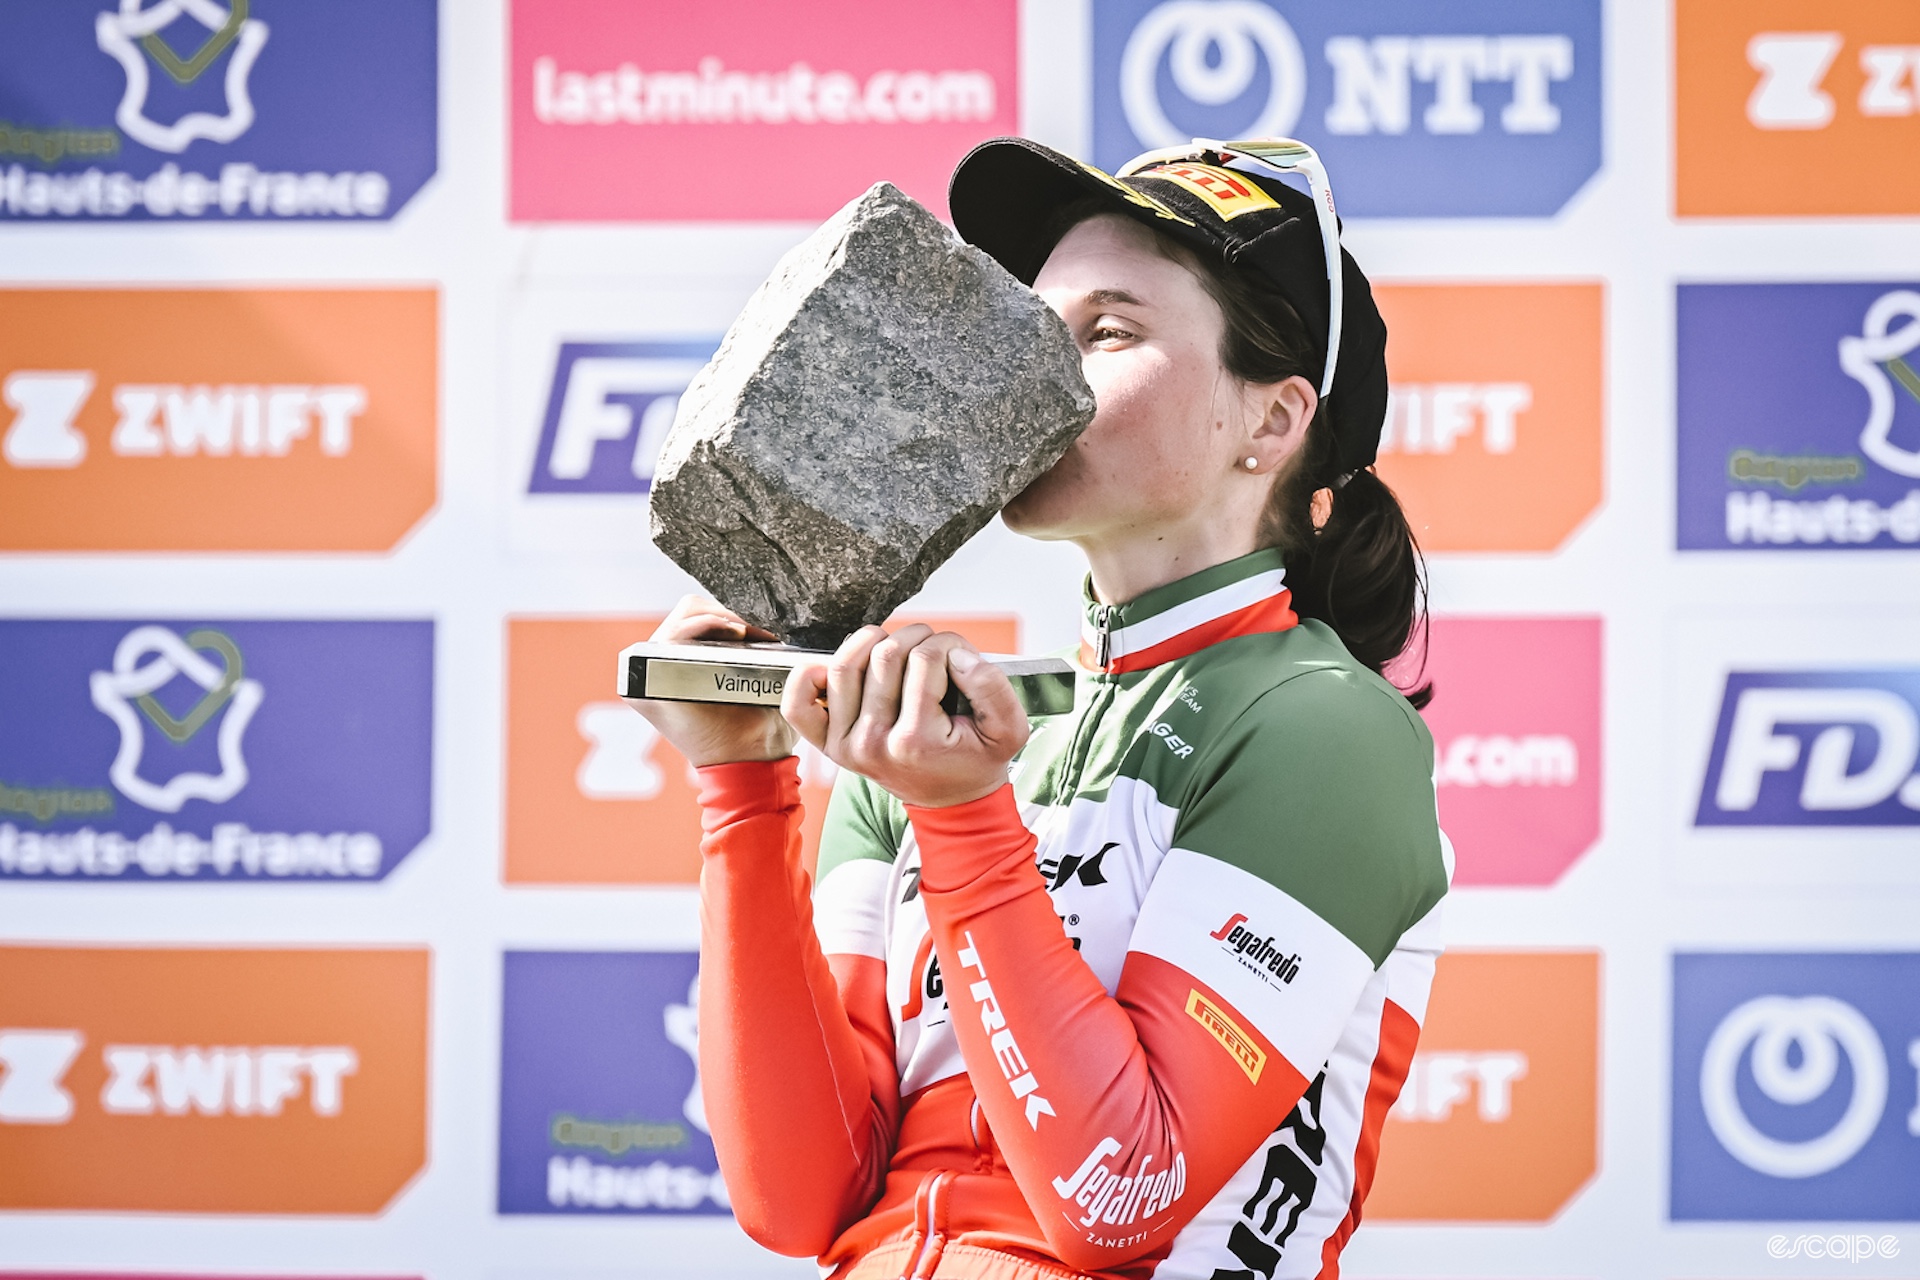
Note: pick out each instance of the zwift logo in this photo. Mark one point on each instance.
(1386, 89)
(608, 412)
(1827, 748)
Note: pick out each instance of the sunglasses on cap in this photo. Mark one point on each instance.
(1283, 156)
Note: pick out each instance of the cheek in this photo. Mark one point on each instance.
(1152, 411)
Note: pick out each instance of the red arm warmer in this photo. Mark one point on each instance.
(796, 1051)
(1120, 1115)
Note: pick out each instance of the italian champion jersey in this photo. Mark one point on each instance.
(1145, 1013)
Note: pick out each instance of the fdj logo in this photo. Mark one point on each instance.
(1815, 749)
(1490, 108)
(1796, 1087)
(608, 412)
(1799, 415)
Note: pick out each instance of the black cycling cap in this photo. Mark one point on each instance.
(1006, 192)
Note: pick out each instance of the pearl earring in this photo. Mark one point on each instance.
(1252, 464)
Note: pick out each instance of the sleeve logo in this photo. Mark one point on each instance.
(1251, 1058)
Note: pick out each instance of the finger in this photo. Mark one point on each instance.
(880, 695)
(696, 617)
(921, 717)
(998, 718)
(802, 703)
(846, 675)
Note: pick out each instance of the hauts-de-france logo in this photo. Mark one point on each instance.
(149, 658)
(226, 109)
(1476, 108)
(217, 751)
(1796, 1087)
(1799, 416)
(600, 1102)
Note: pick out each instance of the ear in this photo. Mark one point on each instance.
(1282, 429)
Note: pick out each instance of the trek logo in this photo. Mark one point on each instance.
(600, 1101)
(214, 751)
(216, 419)
(1114, 1199)
(608, 103)
(1835, 467)
(1258, 953)
(1295, 1156)
(1796, 1087)
(1498, 112)
(1494, 386)
(1815, 748)
(1836, 85)
(1013, 1064)
(227, 109)
(177, 1080)
(1071, 868)
(608, 412)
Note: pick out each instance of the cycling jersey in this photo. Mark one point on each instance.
(1140, 1013)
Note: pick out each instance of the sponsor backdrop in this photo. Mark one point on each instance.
(317, 543)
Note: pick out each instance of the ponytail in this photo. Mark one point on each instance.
(1359, 571)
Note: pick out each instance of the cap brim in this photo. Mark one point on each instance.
(1006, 193)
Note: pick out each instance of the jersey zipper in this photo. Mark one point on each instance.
(1103, 642)
(1103, 693)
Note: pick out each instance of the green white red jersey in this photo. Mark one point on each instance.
(1141, 1013)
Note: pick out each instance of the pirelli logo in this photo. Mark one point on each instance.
(1221, 1026)
(1229, 193)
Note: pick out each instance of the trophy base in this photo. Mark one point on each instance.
(756, 675)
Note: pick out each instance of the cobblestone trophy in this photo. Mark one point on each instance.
(884, 393)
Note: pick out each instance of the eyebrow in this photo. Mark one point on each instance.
(1105, 297)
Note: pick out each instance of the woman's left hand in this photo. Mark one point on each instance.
(875, 709)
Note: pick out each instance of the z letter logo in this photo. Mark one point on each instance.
(131, 685)
(43, 434)
(117, 34)
(1791, 68)
(32, 1066)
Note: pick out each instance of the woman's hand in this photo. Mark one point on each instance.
(711, 733)
(881, 714)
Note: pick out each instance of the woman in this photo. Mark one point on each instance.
(1141, 1010)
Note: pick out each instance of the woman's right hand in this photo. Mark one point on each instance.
(712, 733)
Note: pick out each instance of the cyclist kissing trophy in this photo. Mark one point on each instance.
(884, 393)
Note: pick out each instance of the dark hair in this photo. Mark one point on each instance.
(1360, 570)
